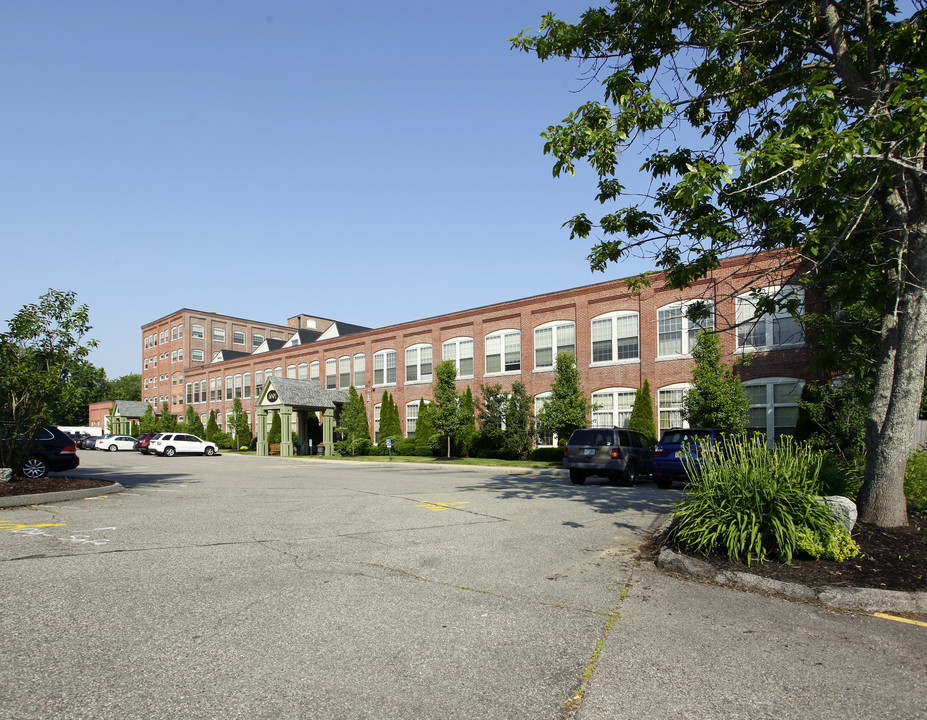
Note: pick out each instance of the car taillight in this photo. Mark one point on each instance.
(69, 450)
(616, 454)
(659, 451)
(566, 452)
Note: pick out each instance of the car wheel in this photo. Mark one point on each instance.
(664, 483)
(169, 452)
(35, 468)
(144, 451)
(112, 448)
(577, 477)
(630, 474)
(209, 451)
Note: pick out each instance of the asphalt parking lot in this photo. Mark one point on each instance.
(242, 587)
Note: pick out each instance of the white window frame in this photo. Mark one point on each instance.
(501, 343)
(291, 372)
(257, 340)
(772, 405)
(749, 327)
(302, 371)
(236, 334)
(543, 440)
(314, 370)
(419, 364)
(672, 409)
(331, 373)
(344, 372)
(412, 410)
(612, 407)
(554, 337)
(674, 321)
(454, 349)
(386, 359)
(360, 370)
(197, 332)
(197, 355)
(613, 321)
(218, 334)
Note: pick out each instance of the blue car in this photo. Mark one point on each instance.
(668, 454)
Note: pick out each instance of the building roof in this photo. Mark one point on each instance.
(304, 393)
(130, 408)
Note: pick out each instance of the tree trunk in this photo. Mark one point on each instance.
(897, 397)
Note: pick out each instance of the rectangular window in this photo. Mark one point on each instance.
(197, 355)
(212, 390)
(228, 387)
(360, 370)
(238, 387)
(189, 393)
(669, 331)
(376, 418)
(173, 334)
(411, 419)
(302, 372)
(331, 374)
(670, 402)
(238, 338)
(384, 367)
(615, 337)
(247, 383)
(258, 383)
(419, 364)
(344, 373)
(314, 370)
(256, 340)
(197, 332)
(218, 334)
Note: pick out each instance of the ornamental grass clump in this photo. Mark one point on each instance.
(750, 501)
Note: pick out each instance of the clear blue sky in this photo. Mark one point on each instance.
(369, 162)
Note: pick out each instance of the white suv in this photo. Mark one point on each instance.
(170, 444)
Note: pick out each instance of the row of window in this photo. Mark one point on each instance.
(773, 408)
(175, 333)
(198, 332)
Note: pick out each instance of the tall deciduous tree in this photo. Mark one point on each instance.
(716, 397)
(567, 407)
(43, 343)
(807, 134)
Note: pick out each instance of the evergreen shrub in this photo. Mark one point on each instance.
(547, 454)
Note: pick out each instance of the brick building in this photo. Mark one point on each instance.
(619, 338)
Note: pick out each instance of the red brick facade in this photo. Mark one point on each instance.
(580, 306)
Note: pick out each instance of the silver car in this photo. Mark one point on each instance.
(618, 454)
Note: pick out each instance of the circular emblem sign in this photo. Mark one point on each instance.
(272, 396)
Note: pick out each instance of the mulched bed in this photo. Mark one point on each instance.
(890, 559)
(26, 486)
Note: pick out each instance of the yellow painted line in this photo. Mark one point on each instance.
(7, 525)
(441, 507)
(886, 616)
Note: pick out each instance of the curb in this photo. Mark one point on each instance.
(868, 599)
(51, 497)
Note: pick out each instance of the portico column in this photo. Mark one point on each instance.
(302, 421)
(286, 431)
(328, 435)
(261, 422)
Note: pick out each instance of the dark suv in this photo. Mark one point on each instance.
(52, 451)
(615, 453)
(672, 448)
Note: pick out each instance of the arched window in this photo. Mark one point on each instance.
(615, 338)
(611, 407)
(551, 339)
(503, 352)
(676, 333)
(460, 350)
(418, 363)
